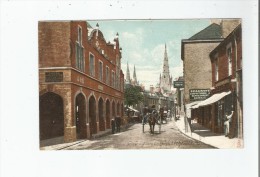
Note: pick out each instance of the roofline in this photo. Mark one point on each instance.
(223, 42)
(201, 40)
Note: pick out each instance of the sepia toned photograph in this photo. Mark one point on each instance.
(140, 84)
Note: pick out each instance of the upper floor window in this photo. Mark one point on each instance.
(229, 52)
(107, 75)
(216, 69)
(113, 79)
(91, 65)
(80, 62)
(100, 70)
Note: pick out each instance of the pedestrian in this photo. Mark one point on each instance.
(227, 122)
(113, 126)
(118, 123)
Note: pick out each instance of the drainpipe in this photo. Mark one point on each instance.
(237, 92)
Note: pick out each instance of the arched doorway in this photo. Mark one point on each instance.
(118, 109)
(108, 114)
(101, 114)
(113, 110)
(51, 116)
(80, 121)
(92, 115)
(122, 110)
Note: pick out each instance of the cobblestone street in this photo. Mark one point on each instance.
(134, 138)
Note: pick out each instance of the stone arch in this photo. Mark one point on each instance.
(51, 116)
(122, 109)
(108, 119)
(101, 114)
(80, 116)
(92, 115)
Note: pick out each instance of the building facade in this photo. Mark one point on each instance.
(226, 90)
(195, 55)
(81, 84)
(226, 60)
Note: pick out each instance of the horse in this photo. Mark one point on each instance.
(152, 120)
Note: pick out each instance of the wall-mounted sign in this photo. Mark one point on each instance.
(199, 94)
(100, 87)
(53, 76)
(178, 84)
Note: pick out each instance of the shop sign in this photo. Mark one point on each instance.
(178, 84)
(53, 76)
(199, 94)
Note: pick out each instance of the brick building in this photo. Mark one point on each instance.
(226, 93)
(81, 84)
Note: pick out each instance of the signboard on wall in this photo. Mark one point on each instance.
(199, 94)
(53, 76)
(178, 84)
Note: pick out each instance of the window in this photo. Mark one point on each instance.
(216, 69)
(229, 61)
(107, 75)
(91, 65)
(113, 79)
(100, 71)
(80, 62)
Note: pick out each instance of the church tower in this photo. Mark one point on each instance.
(134, 77)
(165, 80)
(128, 80)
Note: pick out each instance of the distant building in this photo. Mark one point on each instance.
(81, 84)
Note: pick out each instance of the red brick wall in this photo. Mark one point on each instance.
(54, 44)
(223, 57)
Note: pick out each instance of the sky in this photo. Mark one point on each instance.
(143, 44)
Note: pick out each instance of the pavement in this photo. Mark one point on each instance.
(58, 144)
(206, 136)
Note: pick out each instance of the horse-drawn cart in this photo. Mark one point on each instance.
(151, 119)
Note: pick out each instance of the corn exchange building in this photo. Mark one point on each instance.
(80, 80)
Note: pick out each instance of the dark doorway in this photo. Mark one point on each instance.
(80, 108)
(108, 114)
(118, 109)
(122, 110)
(51, 116)
(92, 115)
(113, 110)
(101, 115)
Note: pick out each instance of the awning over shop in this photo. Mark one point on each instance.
(214, 98)
(192, 104)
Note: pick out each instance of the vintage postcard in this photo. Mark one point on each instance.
(140, 84)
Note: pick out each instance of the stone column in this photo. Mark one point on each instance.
(69, 127)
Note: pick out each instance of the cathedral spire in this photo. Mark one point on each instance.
(165, 77)
(134, 76)
(128, 75)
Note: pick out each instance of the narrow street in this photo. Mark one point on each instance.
(133, 138)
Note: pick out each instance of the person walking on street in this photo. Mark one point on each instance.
(227, 122)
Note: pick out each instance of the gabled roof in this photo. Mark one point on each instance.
(213, 31)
